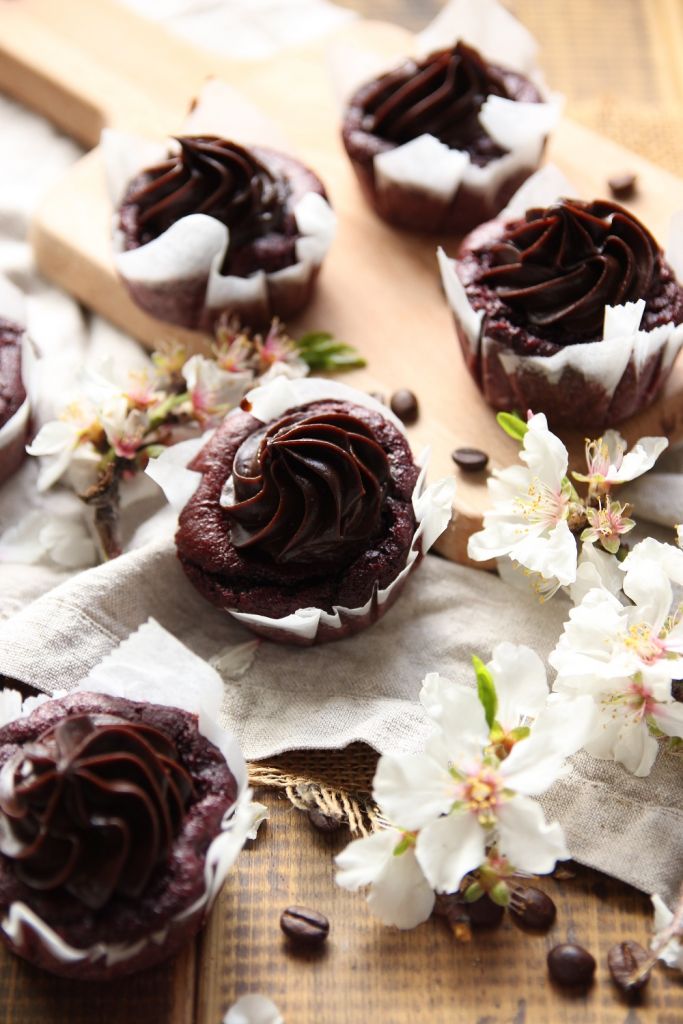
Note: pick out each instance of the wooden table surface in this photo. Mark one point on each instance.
(616, 55)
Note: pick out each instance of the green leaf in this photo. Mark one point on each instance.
(520, 733)
(512, 424)
(322, 351)
(486, 689)
(500, 894)
(403, 845)
(473, 892)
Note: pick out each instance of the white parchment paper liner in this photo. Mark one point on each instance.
(603, 362)
(151, 666)
(14, 432)
(427, 166)
(433, 507)
(177, 275)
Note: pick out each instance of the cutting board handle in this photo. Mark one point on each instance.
(85, 64)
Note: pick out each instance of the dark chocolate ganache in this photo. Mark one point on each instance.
(562, 265)
(441, 96)
(307, 487)
(12, 392)
(92, 807)
(212, 176)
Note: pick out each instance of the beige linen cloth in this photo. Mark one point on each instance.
(55, 626)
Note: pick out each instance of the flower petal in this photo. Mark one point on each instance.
(521, 683)
(401, 896)
(449, 848)
(253, 1009)
(414, 789)
(524, 837)
(363, 860)
(561, 729)
(543, 452)
(456, 708)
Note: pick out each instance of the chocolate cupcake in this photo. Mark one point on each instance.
(14, 404)
(216, 227)
(442, 145)
(309, 514)
(571, 310)
(109, 809)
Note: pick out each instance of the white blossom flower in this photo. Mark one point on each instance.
(213, 391)
(58, 440)
(606, 524)
(604, 639)
(529, 519)
(253, 1009)
(461, 797)
(672, 952)
(399, 892)
(609, 464)
(125, 428)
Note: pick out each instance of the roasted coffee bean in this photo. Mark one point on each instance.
(571, 965)
(484, 913)
(532, 908)
(404, 405)
(623, 961)
(470, 460)
(323, 822)
(304, 926)
(623, 186)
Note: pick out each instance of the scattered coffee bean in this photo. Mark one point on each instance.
(571, 965)
(532, 908)
(470, 460)
(304, 926)
(323, 822)
(623, 186)
(484, 913)
(404, 405)
(623, 961)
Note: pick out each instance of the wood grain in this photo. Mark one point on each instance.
(379, 287)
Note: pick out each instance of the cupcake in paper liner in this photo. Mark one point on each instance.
(441, 142)
(567, 307)
(305, 512)
(15, 362)
(123, 805)
(209, 226)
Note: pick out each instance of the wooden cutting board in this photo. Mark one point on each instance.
(88, 64)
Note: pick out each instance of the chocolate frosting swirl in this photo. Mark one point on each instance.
(305, 488)
(442, 97)
(212, 176)
(92, 807)
(562, 265)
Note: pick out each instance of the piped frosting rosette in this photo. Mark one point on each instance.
(208, 224)
(320, 492)
(117, 784)
(16, 363)
(567, 307)
(442, 141)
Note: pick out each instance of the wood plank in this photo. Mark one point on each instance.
(369, 972)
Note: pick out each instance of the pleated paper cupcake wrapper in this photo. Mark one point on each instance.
(177, 276)
(432, 505)
(595, 384)
(150, 666)
(423, 184)
(14, 433)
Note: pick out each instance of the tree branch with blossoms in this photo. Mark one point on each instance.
(106, 438)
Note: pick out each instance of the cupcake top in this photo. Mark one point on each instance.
(307, 487)
(440, 96)
(311, 509)
(252, 191)
(544, 280)
(105, 807)
(12, 392)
